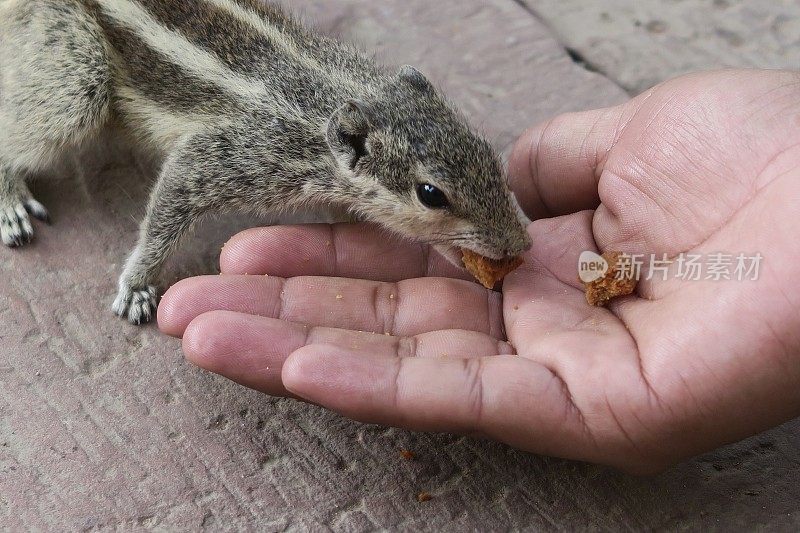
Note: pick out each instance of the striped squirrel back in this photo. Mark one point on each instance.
(202, 60)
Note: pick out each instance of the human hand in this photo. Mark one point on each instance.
(703, 164)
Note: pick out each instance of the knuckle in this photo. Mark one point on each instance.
(385, 306)
(407, 347)
(473, 379)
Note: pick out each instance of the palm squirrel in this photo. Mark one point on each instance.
(244, 109)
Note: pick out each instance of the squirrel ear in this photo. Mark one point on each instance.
(348, 129)
(416, 78)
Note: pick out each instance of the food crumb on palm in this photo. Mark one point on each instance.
(617, 282)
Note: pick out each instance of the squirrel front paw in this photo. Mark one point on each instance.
(15, 223)
(137, 305)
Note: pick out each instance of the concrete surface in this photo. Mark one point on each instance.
(639, 43)
(104, 427)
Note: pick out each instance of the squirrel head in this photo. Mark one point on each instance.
(411, 163)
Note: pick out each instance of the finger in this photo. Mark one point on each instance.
(506, 398)
(555, 167)
(358, 251)
(405, 308)
(550, 280)
(251, 350)
(545, 302)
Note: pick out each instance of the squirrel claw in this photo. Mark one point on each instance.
(37, 210)
(137, 306)
(15, 226)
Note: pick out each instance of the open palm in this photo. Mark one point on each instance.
(385, 332)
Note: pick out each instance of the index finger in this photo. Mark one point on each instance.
(358, 251)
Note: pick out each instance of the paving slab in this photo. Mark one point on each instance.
(639, 43)
(104, 426)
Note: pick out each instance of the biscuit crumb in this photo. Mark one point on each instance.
(615, 284)
(408, 455)
(489, 272)
(340, 297)
(424, 497)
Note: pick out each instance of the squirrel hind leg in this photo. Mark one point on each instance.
(55, 87)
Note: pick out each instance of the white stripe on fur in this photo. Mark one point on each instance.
(179, 50)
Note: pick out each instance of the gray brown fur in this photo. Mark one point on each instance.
(246, 110)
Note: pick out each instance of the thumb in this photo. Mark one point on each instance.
(555, 167)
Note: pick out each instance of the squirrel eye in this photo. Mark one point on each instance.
(432, 197)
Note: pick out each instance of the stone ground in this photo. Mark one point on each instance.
(104, 426)
(639, 43)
